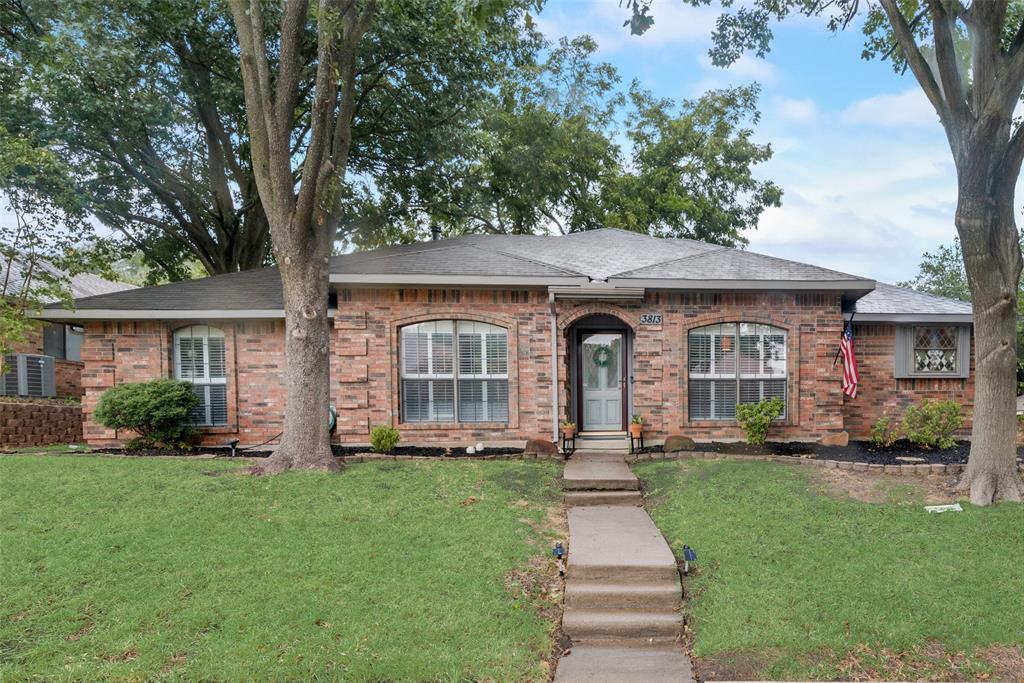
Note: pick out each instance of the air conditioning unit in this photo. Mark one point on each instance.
(28, 375)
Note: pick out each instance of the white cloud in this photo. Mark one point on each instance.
(908, 108)
(674, 23)
(747, 68)
(797, 111)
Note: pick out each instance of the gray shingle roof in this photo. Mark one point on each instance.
(891, 300)
(252, 290)
(617, 256)
(81, 285)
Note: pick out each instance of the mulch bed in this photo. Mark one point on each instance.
(418, 451)
(428, 451)
(856, 451)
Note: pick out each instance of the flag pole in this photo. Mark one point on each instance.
(839, 350)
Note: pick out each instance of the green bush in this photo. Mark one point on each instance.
(885, 432)
(756, 417)
(384, 438)
(932, 423)
(158, 411)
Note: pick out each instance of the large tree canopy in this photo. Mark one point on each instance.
(968, 58)
(144, 101)
(471, 126)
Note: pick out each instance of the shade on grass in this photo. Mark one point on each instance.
(788, 570)
(119, 569)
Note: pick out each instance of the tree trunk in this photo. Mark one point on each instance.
(992, 258)
(306, 443)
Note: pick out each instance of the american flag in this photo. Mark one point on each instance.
(850, 375)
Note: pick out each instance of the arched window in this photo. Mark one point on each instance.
(199, 358)
(454, 371)
(734, 363)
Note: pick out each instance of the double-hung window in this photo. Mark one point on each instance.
(454, 371)
(199, 358)
(734, 363)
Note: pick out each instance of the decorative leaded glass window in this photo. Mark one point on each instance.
(935, 349)
(735, 363)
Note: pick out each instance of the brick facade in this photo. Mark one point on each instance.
(880, 393)
(365, 363)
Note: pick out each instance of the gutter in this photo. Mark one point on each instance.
(167, 314)
(911, 317)
(554, 368)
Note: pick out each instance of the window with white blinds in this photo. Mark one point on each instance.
(735, 363)
(199, 358)
(454, 371)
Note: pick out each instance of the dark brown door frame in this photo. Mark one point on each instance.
(623, 367)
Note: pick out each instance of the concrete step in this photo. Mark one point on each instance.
(597, 664)
(588, 625)
(607, 497)
(599, 470)
(617, 543)
(665, 595)
(603, 484)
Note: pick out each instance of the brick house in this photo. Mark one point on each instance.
(499, 338)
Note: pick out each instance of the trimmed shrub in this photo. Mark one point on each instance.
(885, 432)
(384, 438)
(755, 418)
(932, 424)
(158, 411)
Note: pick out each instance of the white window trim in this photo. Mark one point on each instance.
(456, 374)
(195, 332)
(737, 375)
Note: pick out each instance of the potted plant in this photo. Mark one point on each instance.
(568, 429)
(636, 426)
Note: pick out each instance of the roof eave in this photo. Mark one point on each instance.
(757, 285)
(455, 280)
(911, 317)
(60, 314)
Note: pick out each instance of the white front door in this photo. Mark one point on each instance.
(602, 383)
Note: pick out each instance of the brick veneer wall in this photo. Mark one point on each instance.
(69, 378)
(364, 361)
(880, 393)
(38, 424)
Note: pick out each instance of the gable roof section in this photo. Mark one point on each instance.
(888, 303)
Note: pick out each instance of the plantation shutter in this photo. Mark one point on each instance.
(200, 357)
(734, 363)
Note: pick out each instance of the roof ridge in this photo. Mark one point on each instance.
(532, 260)
(676, 260)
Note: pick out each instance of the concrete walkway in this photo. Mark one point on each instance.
(622, 593)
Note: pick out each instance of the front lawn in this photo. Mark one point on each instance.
(796, 580)
(153, 569)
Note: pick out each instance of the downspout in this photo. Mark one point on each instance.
(554, 368)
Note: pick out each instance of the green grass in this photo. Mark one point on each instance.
(149, 569)
(811, 585)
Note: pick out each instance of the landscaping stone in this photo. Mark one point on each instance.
(678, 442)
(840, 439)
(540, 447)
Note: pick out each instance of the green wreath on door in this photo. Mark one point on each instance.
(603, 356)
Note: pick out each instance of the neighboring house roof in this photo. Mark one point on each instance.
(888, 303)
(81, 285)
(598, 262)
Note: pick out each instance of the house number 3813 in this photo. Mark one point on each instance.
(650, 318)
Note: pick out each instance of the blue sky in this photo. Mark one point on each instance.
(861, 156)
